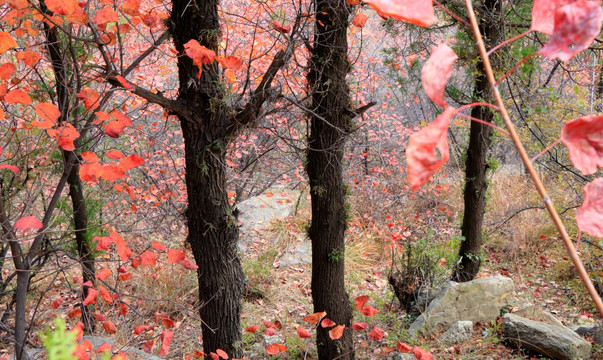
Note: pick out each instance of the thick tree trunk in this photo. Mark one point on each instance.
(213, 231)
(330, 125)
(476, 185)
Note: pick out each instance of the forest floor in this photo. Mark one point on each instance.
(520, 244)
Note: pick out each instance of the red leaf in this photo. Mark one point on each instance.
(418, 12)
(104, 293)
(91, 297)
(315, 318)
(123, 82)
(252, 328)
(189, 265)
(56, 303)
(376, 334)
(421, 151)
(421, 354)
(200, 54)
(63, 7)
(116, 127)
(269, 332)
(90, 97)
(283, 29)
(175, 256)
(370, 311)
(166, 339)
(139, 329)
(6, 42)
(303, 333)
(103, 348)
(7, 70)
(221, 353)
(131, 162)
(148, 258)
(105, 15)
(12, 168)
(91, 172)
(89, 157)
(158, 246)
(123, 250)
(74, 313)
(360, 301)
(359, 326)
(360, 20)
(576, 27)
(17, 97)
(115, 155)
(584, 140)
(99, 317)
(274, 349)
(49, 114)
(28, 57)
(230, 62)
(589, 216)
(111, 172)
(325, 323)
(109, 327)
(403, 347)
(148, 346)
(167, 322)
(28, 222)
(65, 135)
(543, 14)
(131, 7)
(336, 332)
(103, 274)
(436, 72)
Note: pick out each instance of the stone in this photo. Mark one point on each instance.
(530, 311)
(477, 301)
(274, 339)
(594, 332)
(299, 255)
(459, 332)
(550, 340)
(401, 356)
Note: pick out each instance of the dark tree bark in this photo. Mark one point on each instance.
(476, 185)
(330, 125)
(208, 125)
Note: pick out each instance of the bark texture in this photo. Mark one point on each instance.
(476, 185)
(330, 125)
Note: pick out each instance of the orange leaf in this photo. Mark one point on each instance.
(7, 70)
(221, 353)
(89, 157)
(49, 114)
(158, 246)
(63, 7)
(6, 42)
(91, 172)
(230, 62)
(360, 20)
(421, 354)
(175, 256)
(252, 328)
(91, 297)
(74, 313)
(28, 57)
(112, 172)
(17, 97)
(360, 301)
(589, 216)
(28, 222)
(418, 12)
(436, 72)
(105, 15)
(99, 317)
(189, 264)
(66, 135)
(421, 151)
(315, 318)
(325, 323)
(359, 326)
(131, 162)
(584, 140)
(116, 127)
(103, 348)
(336, 332)
(166, 339)
(131, 7)
(200, 54)
(148, 258)
(139, 329)
(274, 349)
(370, 311)
(104, 293)
(114, 154)
(303, 333)
(103, 274)
(376, 334)
(124, 82)
(90, 98)
(109, 327)
(403, 347)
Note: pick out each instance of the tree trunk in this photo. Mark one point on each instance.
(213, 231)
(330, 125)
(476, 185)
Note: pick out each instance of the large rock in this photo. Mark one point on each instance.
(550, 340)
(594, 332)
(477, 301)
(459, 332)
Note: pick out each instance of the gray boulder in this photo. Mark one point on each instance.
(594, 332)
(477, 301)
(550, 340)
(459, 332)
